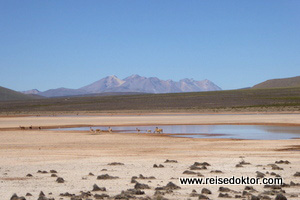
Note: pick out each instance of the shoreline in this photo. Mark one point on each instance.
(128, 125)
(144, 120)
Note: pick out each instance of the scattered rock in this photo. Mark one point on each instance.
(224, 189)
(77, 198)
(171, 186)
(282, 162)
(205, 191)
(158, 197)
(264, 197)
(280, 197)
(43, 197)
(84, 195)
(97, 188)
(141, 186)
(194, 194)
(124, 195)
(115, 163)
(53, 171)
(91, 174)
(249, 188)
(158, 166)
(273, 187)
(159, 188)
(244, 163)
(276, 167)
(29, 175)
(41, 194)
(53, 175)
(195, 167)
(67, 194)
(101, 196)
(193, 173)
(260, 174)
(134, 192)
(60, 180)
(106, 176)
(145, 177)
(171, 161)
(273, 192)
(133, 179)
(225, 195)
(216, 171)
(28, 194)
(159, 192)
(297, 174)
(238, 165)
(15, 197)
(285, 185)
(253, 197)
(42, 172)
(201, 164)
(294, 184)
(201, 196)
(189, 172)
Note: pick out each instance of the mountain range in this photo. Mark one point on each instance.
(110, 85)
(134, 83)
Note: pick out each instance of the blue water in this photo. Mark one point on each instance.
(258, 132)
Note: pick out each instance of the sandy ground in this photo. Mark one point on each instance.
(74, 154)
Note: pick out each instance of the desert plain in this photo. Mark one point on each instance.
(31, 160)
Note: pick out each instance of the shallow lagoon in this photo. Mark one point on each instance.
(259, 132)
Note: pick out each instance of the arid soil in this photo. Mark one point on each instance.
(75, 154)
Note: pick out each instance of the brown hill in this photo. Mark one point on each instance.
(10, 95)
(279, 83)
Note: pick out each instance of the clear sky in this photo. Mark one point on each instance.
(58, 43)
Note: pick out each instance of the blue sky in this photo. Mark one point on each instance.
(59, 43)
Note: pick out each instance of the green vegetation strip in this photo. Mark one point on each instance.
(276, 99)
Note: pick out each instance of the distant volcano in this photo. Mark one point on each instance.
(134, 83)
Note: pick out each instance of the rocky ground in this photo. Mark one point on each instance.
(42, 164)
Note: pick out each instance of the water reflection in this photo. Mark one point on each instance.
(217, 131)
